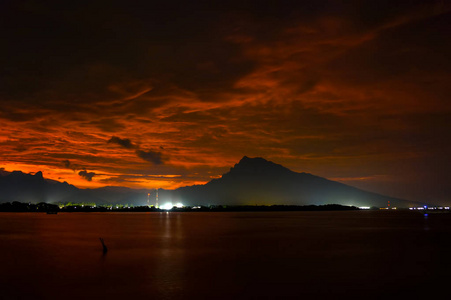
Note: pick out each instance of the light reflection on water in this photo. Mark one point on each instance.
(224, 255)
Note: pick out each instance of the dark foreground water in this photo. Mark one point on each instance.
(313, 255)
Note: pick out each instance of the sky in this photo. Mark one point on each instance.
(161, 94)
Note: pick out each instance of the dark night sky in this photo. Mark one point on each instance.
(163, 94)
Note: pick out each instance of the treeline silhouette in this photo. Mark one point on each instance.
(28, 207)
(53, 208)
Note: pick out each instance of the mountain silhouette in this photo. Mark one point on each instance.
(21, 187)
(256, 181)
(18, 186)
(252, 181)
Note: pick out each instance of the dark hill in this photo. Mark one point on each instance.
(18, 186)
(256, 181)
(21, 187)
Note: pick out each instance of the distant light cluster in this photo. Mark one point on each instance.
(169, 205)
(430, 208)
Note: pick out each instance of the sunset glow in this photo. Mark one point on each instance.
(159, 97)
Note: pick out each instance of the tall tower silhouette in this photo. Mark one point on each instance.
(156, 199)
(148, 199)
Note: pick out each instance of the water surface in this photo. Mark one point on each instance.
(239, 255)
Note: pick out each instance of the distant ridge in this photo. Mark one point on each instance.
(21, 187)
(18, 186)
(256, 181)
(252, 181)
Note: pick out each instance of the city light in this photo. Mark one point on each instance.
(429, 208)
(167, 205)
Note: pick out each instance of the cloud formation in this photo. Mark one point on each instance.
(87, 175)
(150, 156)
(126, 143)
(154, 157)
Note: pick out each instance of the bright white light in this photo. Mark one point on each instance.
(179, 205)
(167, 205)
(364, 207)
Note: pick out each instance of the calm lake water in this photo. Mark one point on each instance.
(245, 255)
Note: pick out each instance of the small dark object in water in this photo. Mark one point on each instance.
(105, 249)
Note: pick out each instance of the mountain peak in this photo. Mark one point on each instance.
(244, 158)
(248, 160)
(257, 165)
